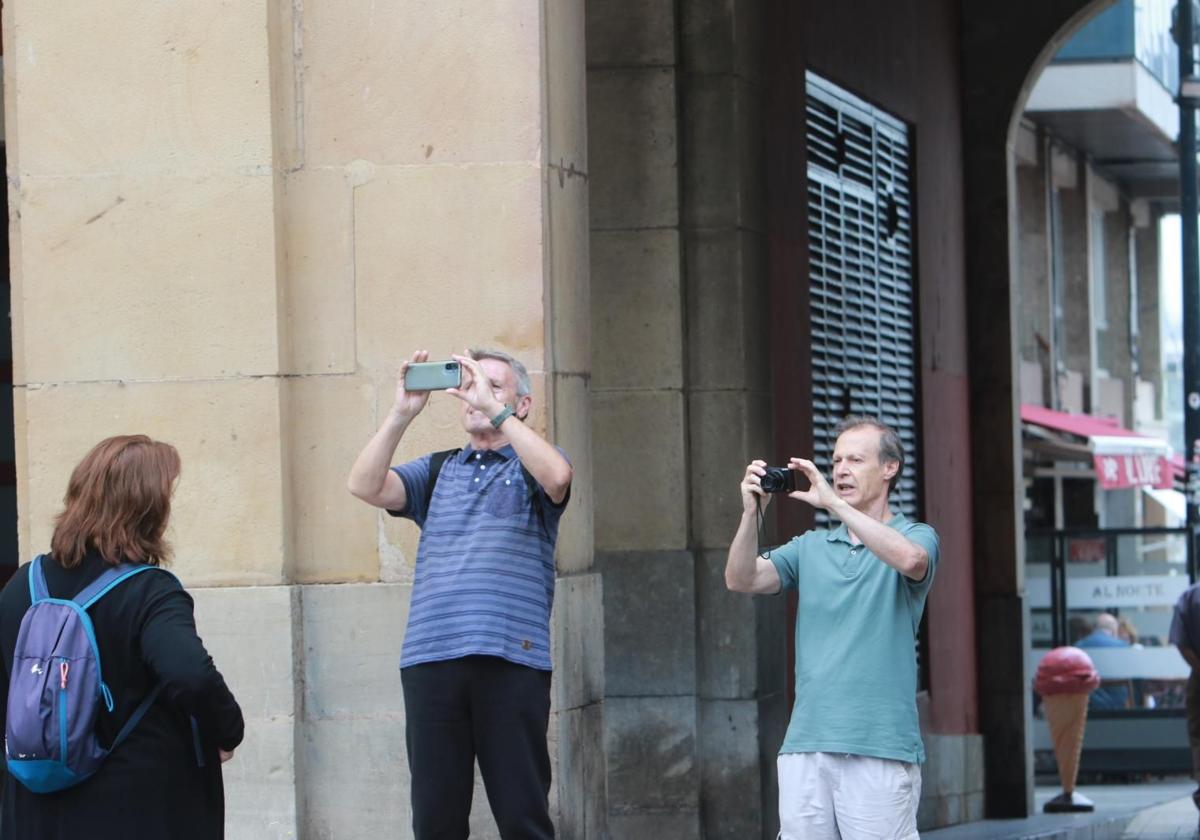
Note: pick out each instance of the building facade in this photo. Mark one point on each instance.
(1096, 173)
(707, 227)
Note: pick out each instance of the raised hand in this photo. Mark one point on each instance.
(819, 493)
(751, 486)
(409, 403)
(476, 389)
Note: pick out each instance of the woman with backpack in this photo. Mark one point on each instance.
(116, 720)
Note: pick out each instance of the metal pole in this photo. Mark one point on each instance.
(1185, 34)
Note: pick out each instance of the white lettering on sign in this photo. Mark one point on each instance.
(1116, 471)
(1110, 470)
(1143, 469)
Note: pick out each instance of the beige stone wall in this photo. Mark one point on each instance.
(144, 262)
(229, 232)
(230, 222)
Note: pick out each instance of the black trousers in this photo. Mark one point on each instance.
(485, 708)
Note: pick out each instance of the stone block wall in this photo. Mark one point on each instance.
(227, 233)
(680, 404)
(639, 421)
(951, 780)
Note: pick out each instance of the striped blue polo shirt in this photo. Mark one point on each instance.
(484, 580)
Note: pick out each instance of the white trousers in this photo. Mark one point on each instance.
(831, 796)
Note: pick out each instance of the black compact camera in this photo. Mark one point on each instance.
(779, 480)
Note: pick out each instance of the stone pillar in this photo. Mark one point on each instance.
(1078, 345)
(1117, 227)
(680, 398)
(1035, 266)
(226, 234)
(1150, 360)
(741, 642)
(640, 422)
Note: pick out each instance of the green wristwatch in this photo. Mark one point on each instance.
(502, 416)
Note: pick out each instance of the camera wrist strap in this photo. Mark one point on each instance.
(759, 506)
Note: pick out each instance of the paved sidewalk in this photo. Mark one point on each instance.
(1174, 820)
(1151, 811)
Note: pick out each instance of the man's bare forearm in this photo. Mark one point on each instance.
(545, 463)
(886, 543)
(742, 562)
(369, 474)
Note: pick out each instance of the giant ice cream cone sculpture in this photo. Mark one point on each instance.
(1065, 678)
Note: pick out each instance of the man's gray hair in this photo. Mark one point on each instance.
(523, 385)
(891, 449)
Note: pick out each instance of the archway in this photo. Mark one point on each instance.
(1004, 49)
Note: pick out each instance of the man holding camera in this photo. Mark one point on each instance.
(849, 764)
(475, 665)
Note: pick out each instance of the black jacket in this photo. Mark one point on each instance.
(154, 786)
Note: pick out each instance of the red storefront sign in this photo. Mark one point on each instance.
(1087, 550)
(1148, 470)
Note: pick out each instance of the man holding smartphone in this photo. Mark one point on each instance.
(849, 764)
(475, 664)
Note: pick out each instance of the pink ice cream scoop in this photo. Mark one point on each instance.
(1065, 670)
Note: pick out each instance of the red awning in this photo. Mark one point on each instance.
(1122, 457)
(1081, 425)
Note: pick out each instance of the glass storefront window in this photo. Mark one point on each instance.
(1112, 593)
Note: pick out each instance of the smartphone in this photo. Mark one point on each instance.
(432, 376)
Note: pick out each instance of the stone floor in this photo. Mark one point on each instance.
(1175, 820)
(1150, 811)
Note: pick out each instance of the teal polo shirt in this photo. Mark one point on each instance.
(856, 634)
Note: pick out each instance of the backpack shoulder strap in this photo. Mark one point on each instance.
(139, 712)
(436, 461)
(109, 579)
(37, 581)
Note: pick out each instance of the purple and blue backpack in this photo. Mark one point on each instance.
(56, 687)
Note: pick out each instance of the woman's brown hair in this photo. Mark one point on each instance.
(118, 502)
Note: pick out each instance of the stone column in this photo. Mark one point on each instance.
(227, 233)
(1078, 346)
(640, 421)
(680, 398)
(1036, 332)
(741, 642)
(1150, 360)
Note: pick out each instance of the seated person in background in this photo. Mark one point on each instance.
(1127, 633)
(1105, 635)
(1078, 627)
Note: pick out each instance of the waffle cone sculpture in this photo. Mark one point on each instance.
(1065, 678)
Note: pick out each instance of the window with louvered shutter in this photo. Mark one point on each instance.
(860, 274)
